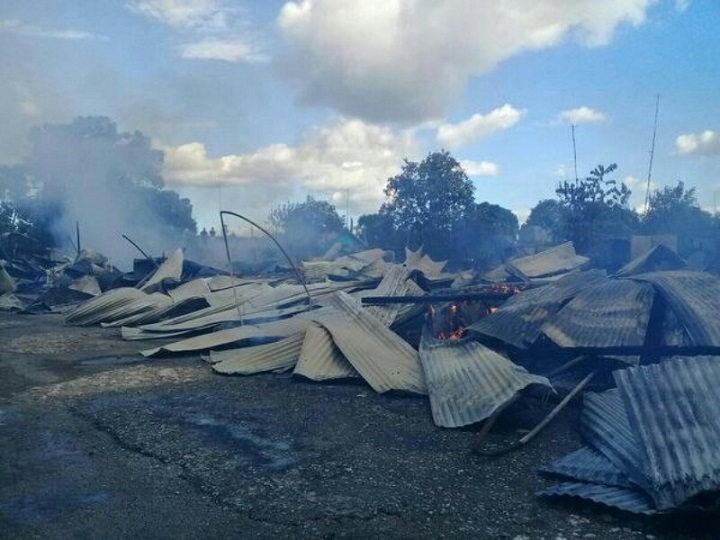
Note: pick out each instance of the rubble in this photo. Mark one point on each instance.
(543, 320)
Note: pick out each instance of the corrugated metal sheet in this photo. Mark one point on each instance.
(556, 260)
(277, 329)
(519, 320)
(659, 258)
(114, 305)
(615, 312)
(588, 465)
(396, 282)
(694, 298)
(384, 360)
(630, 500)
(320, 359)
(282, 354)
(467, 381)
(416, 260)
(673, 408)
(171, 268)
(191, 289)
(604, 424)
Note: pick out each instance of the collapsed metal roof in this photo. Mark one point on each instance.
(383, 358)
(550, 262)
(520, 319)
(609, 313)
(320, 359)
(467, 381)
(660, 429)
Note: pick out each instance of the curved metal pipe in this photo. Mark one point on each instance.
(298, 274)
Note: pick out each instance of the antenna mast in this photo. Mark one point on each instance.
(652, 155)
(572, 126)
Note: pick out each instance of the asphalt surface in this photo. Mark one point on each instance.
(98, 442)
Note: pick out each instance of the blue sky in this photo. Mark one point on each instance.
(259, 103)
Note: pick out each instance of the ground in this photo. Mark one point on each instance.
(98, 442)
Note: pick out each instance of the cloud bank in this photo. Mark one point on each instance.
(408, 60)
(349, 158)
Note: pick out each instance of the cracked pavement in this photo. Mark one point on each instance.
(98, 442)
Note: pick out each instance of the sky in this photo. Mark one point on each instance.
(258, 103)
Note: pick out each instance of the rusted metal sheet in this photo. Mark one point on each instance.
(383, 359)
(693, 296)
(280, 355)
(628, 499)
(320, 359)
(615, 312)
(588, 465)
(556, 260)
(520, 319)
(672, 407)
(467, 381)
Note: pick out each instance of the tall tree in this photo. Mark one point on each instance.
(306, 226)
(427, 200)
(675, 210)
(594, 205)
(487, 234)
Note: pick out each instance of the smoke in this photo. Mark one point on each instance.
(110, 184)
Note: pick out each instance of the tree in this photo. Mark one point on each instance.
(487, 234)
(427, 200)
(674, 210)
(378, 231)
(548, 214)
(306, 226)
(594, 205)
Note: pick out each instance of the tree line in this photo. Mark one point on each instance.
(430, 203)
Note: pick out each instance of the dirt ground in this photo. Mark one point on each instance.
(98, 442)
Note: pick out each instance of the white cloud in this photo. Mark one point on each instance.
(478, 126)
(682, 5)
(479, 168)
(209, 29)
(28, 30)
(580, 115)
(407, 60)
(705, 143)
(190, 14)
(215, 49)
(347, 155)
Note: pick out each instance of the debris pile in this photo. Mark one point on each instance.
(654, 441)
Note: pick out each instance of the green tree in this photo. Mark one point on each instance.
(549, 215)
(427, 201)
(378, 231)
(487, 234)
(675, 210)
(306, 227)
(593, 206)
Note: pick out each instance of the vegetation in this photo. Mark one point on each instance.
(432, 204)
(306, 227)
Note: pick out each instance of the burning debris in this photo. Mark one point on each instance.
(472, 345)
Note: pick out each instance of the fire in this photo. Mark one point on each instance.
(457, 334)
